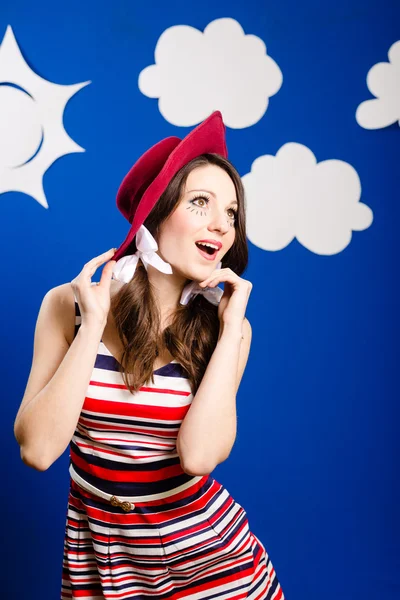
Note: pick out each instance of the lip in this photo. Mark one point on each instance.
(207, 256)
(215, 242)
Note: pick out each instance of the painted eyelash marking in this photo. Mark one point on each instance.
(193, 209)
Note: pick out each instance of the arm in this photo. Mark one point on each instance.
(208, 431)
(59, 377)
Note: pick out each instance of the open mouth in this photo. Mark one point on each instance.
(206, 251)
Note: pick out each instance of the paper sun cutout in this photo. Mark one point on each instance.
(31, 123)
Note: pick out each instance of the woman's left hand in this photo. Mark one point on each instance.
(233, 303)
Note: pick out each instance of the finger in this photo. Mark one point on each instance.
(92, 265)
(218, 272)
(220, 277)
(107, 274)
(101, 258)
(206, 281)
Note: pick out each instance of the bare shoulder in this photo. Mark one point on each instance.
(64, 300)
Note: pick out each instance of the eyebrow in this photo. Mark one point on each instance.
(212, 194)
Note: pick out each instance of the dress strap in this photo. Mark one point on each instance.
(78, 317)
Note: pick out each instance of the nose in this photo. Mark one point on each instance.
(219, 221)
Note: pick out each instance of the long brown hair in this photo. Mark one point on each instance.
(193, 332)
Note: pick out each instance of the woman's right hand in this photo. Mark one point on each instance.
(94, 300)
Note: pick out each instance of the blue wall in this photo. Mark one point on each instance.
(316, 460)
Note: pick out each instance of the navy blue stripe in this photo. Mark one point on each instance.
(109, 363)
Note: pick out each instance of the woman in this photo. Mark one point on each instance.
(142, 385)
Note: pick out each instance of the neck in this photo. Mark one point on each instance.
(167, 289)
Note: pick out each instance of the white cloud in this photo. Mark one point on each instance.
(290, 196)
(31, 123)
(221, 68)
(383, 81)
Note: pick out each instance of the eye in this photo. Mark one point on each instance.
(205, 198)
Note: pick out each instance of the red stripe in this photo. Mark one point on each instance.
(126, 409)
(92, 424)
(127, 476)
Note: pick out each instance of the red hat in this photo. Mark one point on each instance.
(142, 187)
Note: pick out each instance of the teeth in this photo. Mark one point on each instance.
(207, 244)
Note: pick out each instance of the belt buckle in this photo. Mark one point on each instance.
(126, 506)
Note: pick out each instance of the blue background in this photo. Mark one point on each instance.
(316, 460)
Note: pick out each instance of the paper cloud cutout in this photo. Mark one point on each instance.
(383, 81)
(221, 69)
(31, 123)
(291, 196)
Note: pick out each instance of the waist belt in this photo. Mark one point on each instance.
(127, 502)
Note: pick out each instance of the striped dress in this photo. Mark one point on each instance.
(137, 525)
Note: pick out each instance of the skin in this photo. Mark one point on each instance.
(190, 222)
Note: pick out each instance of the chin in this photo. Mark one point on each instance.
(197, 271)
(201, 274)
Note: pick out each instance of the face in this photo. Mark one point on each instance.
(207, 211)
